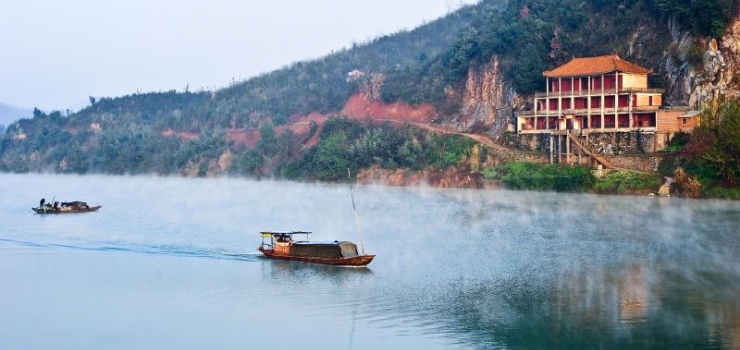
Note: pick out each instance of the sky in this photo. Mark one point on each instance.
(55, 55)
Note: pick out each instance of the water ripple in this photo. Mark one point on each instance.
(168, 250)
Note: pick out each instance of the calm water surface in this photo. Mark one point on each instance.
(172, 263)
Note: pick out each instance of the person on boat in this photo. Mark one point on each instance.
(41, 202)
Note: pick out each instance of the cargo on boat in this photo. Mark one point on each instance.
(281, 245)
(64, 207)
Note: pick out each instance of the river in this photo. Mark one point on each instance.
(172, 263)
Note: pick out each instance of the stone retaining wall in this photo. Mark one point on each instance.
(503, 156)
(645, 163)
(631, 151)
(601, 143)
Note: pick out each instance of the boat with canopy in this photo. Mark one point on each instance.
(284, 245)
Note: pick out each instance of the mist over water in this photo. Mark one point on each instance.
(172, 262)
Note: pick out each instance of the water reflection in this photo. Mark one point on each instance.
(632, 306)
(547, 271)
(296, 271)
(456, 269)
(633, 294)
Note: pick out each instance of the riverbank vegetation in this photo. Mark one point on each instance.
(712, 154)
(350, 144)
(542, 177)
(566, 178)
(627, 182)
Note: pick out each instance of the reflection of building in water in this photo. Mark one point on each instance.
(732, 330)
(633, 295)
(725, 319)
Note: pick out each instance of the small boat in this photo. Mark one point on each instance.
(64, 207)
(281, 245)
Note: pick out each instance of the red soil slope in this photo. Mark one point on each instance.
(360, 107)
(357, 107)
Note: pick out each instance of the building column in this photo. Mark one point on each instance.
(588, 101)
(630, 102)
(547, 104)
(602, 101)
(560, 97)
(534, 127)
(616, 100)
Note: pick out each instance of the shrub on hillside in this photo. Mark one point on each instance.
(540, 177)
(627, 182)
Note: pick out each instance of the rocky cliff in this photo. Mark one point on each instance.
(694, 71)
(720, 73)
(488, 101)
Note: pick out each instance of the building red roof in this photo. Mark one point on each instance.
(595, 66)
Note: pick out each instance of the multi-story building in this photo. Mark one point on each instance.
(601, 96)
(604, 93)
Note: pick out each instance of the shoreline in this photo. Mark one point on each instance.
(452, 178)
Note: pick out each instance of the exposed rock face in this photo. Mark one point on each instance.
(488, 101)
(449, 178)
(676, 69)
(722, 65)
(719, 73)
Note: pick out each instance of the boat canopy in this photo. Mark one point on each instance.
(336, 249)
(282, 233)
(76, 204)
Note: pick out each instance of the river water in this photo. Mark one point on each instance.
(172, 263)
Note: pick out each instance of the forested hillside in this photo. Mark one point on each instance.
(530, 37)
(249, 128)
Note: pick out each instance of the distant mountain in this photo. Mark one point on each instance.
(9, 114)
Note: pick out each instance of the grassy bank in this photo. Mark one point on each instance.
(565, 178)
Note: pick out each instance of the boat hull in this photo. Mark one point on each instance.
(70, 211)
(361, 260)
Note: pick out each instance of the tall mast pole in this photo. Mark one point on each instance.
(357, 217)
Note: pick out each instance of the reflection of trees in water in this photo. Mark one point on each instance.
(625, 304)
(634, 306)
(631, 273)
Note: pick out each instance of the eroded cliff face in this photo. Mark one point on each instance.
(487, 101)
(676, 69)
(449, 178)
(721, 75)
(717, 75)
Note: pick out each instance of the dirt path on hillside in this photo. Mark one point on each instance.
(481, 138)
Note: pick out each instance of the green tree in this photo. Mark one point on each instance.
(714, 149)
(331, 160)
(267, 143)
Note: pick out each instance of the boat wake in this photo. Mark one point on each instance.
(164, 249)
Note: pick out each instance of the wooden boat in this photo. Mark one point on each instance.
(64, 207)
(281, 245)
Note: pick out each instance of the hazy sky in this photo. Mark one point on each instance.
(56, 54)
